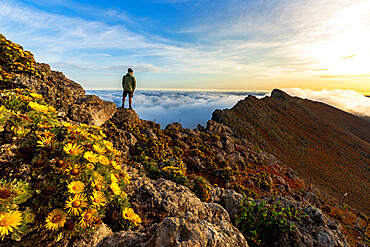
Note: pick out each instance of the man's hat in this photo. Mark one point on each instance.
(130, 70)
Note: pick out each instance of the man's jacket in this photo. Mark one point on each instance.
(128, 83)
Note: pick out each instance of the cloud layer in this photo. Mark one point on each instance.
(190, 108)
(346, 100)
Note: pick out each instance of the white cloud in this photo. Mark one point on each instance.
(346, 100)
(190, 108)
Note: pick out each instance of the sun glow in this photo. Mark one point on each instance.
(345, 52)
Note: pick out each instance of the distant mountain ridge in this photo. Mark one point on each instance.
(327, 146)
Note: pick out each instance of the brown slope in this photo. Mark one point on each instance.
(325, 145)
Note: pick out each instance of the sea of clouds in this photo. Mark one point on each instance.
(346, 100)
(190, 108)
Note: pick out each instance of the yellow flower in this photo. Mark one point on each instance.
(87, 217)
(98, 199)
(73, 149)
(90, 166)
(98, 177)
(99, 148)
(136, 219)
(107, 143)
(68, 125)
(75, 204)
(126, 177)
(36, 95)
(55, 219)
(123, 195)
(128, 213)
(52, 109)
(38, 107)
(9, 221)
(44, 141)
(91, 157)
(96, 138)
(76, 187)
(115, 188)
(116, 165)
(102, 134)
(104, 160)
(113, 178)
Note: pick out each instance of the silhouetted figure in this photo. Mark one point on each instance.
(129, 85)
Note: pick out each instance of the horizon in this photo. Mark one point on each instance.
(198, 45)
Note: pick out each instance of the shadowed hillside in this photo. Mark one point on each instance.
(327, 146)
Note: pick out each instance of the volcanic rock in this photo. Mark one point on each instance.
(123, 115)
(90, 109)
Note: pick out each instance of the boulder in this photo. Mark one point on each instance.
(174, 126)
(123, 115)
(175, 217)
(174, 231)
(229, 199)
(91, 110)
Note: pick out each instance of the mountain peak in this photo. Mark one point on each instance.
(279, 94)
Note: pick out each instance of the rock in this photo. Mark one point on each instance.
(236, 157)
(91, 110)
(150, 133)
(56, 89)
(229, 146)
(163, 202)
(174, 231)
(174, 126)
(195, 163)
(312, 198)
(218, 144)
(123, 115)
(92, 240)
(215, 127)
(229, 199)
(279, 180)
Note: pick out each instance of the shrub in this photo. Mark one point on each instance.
(262, 223)
(201, 188)
(75, 174)
(13, 59)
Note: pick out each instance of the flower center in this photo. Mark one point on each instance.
(97, 200)
(5, 222)
(4, 193)
(75, 171)
(87, 216)
(76, 204)
(98, 187)
(56, 219)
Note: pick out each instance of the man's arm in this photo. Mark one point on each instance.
(133, 84)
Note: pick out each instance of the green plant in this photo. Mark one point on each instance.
(263, 222)
(74, 172)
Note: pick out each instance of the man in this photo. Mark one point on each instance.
(129, 85)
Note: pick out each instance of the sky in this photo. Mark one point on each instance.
(198, 44)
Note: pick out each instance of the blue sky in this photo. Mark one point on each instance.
(203, 44)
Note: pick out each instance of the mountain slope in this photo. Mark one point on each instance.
(327, 146)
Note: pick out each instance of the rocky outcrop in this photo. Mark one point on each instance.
(124, 115)
(90, 109)
(176, 217)
(67, 96)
